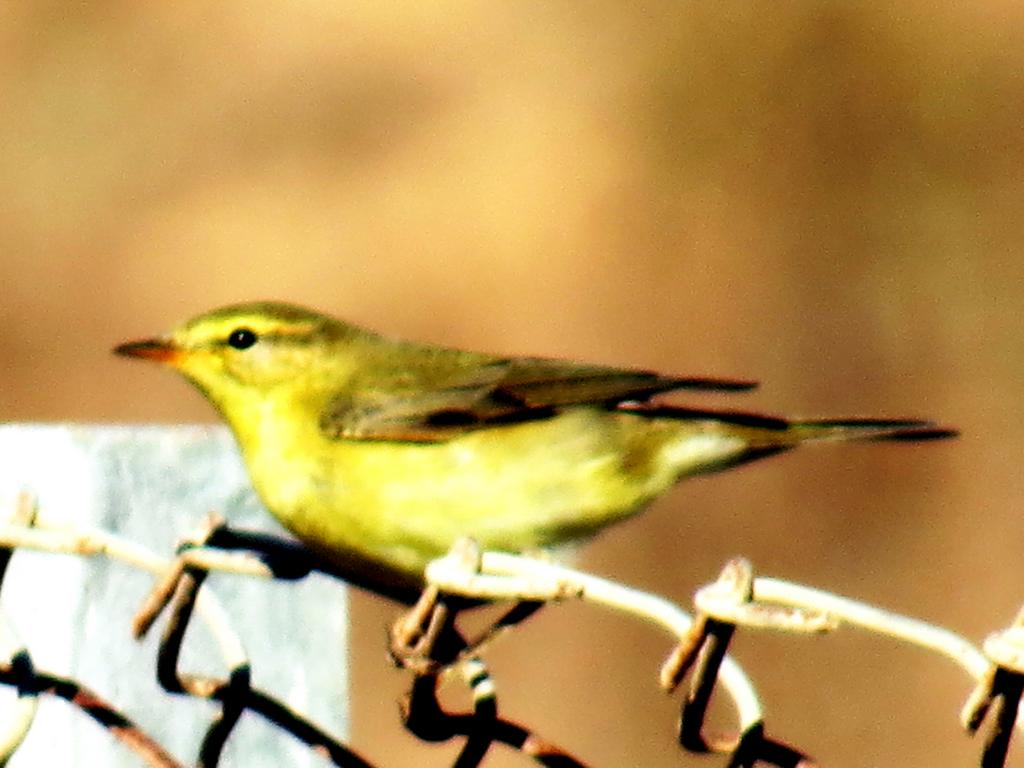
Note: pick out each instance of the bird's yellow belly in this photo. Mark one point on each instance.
(515, 487)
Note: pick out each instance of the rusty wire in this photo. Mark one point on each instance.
(178, 590)
(424, 717)
(735, 600)
(428, 644)
(20, 673)
(234, 693)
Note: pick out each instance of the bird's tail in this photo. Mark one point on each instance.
(712, 440)
(800, 431)
(785, 433)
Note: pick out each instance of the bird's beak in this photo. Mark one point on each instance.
(158, 350)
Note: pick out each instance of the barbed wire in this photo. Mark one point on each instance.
(426, 641)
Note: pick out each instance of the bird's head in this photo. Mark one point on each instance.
(241, 355)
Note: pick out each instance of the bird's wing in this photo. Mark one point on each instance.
(442, 399)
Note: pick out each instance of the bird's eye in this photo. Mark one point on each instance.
(242, 338)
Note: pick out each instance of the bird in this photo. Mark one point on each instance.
(379, 453)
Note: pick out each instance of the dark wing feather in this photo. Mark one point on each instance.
(539, 381)
(444, 396)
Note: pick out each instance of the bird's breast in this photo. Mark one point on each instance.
(511, 487)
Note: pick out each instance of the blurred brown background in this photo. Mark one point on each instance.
(823, 196)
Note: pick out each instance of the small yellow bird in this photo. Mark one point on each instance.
(379, 454)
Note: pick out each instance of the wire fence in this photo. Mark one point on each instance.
(426, 642)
